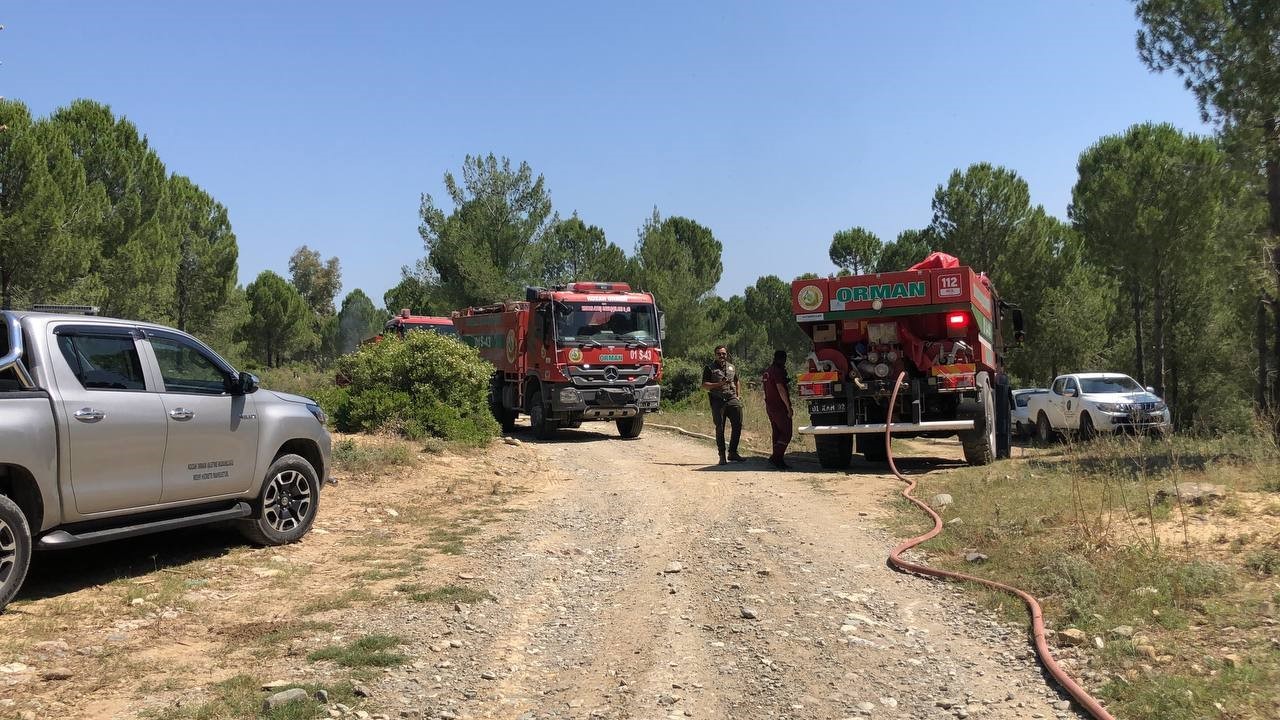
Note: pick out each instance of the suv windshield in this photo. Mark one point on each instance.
(601, 323)
(1021, 399)
(1109, 384)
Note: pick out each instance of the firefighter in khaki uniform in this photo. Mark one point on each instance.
(720, 380)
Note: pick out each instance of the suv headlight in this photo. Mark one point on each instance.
(318, 413)
(1159, 406)
(1113, 407)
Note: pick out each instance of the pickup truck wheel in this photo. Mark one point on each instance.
(1044, 431)
(544, 428)
(834, 451)
(15, 549)
(630, 428)
(1087, 430)
(288, 503)
(980, 442)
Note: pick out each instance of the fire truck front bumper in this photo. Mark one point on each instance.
(607, 402)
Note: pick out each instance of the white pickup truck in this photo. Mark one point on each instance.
(114, 428)
(1086, 404)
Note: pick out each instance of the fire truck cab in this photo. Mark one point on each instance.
(587, 351)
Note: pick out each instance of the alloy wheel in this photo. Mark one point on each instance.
(287, 501)
(8, 551)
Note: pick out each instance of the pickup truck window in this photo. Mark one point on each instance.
(103, 363)
(185, 369)
(1058, 385)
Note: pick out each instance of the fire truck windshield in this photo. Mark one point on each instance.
(602, 323)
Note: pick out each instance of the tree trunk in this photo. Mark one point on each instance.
(1260, 337)
(1139, 359)
(1273, 230)
(1157, 332)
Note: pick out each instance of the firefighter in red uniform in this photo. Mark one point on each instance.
(777, 402)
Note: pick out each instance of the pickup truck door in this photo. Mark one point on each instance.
(1055, 405)
(213, 434)
(1071, 404)
(115, 428)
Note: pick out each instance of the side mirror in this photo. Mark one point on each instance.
(246, 383)
(662, 325)
(1151, 390)
(1070, 392)
(1019, 330)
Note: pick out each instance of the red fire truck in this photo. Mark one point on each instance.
(572, 353)
(939, 322)
(406, 322)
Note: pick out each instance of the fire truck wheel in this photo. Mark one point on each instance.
(505, 416)
(980, 442)
(873, 448)
(834, 451)
(544, 428)
(630, 428)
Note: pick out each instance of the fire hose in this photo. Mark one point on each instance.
(1077, 693)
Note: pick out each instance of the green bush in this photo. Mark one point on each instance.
(680, 379)
(426, 385)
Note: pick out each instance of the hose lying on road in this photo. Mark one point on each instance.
(1083, 698)
(681, 430)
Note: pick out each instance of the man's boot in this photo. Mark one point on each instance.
(735, 457)
(722, 460)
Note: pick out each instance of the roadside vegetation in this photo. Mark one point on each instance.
(1162, 552)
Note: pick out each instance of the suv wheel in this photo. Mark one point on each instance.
(15, 549)
(287, 505)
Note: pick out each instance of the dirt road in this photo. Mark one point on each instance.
(630, 579)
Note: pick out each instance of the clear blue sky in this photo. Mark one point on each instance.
(774, 124)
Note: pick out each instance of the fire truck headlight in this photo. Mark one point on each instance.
(651, 394)
(570, 396)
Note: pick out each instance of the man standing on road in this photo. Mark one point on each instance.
(777, 402)
(720, 380)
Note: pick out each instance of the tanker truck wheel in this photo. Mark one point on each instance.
(630, 428)
(873, 447)
(980, 442)
(544, 428)
(834, 451)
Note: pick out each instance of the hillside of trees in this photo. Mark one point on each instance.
(1166, 267)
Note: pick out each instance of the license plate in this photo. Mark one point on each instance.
(826, 407)
(610, 358)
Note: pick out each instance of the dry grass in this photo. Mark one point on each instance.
(1084, 527)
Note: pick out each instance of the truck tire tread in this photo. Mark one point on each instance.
(259, 530)
(835, 452)
(19, 533)
(629, 428)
